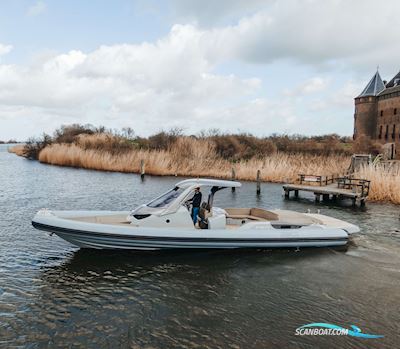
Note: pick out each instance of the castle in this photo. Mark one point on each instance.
(377, 114)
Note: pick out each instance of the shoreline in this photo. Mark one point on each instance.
(276, 168)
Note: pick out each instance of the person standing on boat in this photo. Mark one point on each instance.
(196, 202)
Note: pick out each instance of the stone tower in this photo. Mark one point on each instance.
(366, 108)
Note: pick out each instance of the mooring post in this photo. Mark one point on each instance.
(142, 172)
(258, 182)
(233, 178)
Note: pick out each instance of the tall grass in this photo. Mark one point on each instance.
(18, 149)
(385, 182)
(205, 157)
(188, 156)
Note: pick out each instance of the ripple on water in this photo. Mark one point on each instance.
(54, 295)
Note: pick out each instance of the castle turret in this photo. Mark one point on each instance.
(365, 115)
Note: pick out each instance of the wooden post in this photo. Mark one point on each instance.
(142, 172)
(258, 182)
(287, 193)
(296, 193)
(317, 197)
(325, 197)
(233, 178)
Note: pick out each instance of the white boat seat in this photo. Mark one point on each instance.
(257, 214)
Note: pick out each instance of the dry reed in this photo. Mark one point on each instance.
(190, 157)
(198, 158)
(385, 182)
(17, 149)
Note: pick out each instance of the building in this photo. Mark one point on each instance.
(377, 114)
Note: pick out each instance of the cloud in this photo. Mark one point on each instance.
(331, 33)
(4, 49)
(210, 12)
(310, 86)
(149, 86)
(176, 80)
(36, 9)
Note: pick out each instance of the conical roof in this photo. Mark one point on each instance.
(391, 83)
(374, 86)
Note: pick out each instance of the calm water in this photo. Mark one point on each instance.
(54, 295)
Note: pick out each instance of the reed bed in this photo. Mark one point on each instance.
(385, 182)
(190, 157)
(17, 149)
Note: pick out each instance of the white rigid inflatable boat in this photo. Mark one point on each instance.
(166, 223)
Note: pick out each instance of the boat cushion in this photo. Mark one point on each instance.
(257, 214)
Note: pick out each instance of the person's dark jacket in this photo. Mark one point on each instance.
(196, 199)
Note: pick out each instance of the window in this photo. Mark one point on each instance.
(380, 132)
(394, 132)
(387, 132)
(381, 112)
(166, 198)
(395, 111)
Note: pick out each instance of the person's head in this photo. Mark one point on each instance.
(197, 189)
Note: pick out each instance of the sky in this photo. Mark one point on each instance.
(257, 66)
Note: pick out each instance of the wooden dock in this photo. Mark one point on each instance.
(331, 188)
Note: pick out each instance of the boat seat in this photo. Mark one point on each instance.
(204, 213)
(257, 214)
(254, 218)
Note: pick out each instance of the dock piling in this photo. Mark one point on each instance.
(233, 176)
(142, 170)
(258, 182)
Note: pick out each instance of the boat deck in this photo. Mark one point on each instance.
(235, 218)
(106, 219)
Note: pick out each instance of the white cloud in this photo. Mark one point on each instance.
(36, 9)
(4, 49)
(174, 81)
(310, 86)
(148, 86)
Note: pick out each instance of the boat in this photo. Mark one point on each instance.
(166, 223)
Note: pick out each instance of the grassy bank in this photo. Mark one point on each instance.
(279, 160)
(191, 157)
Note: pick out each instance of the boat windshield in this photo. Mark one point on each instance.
(165, 199)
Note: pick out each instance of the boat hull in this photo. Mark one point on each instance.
(87, 235)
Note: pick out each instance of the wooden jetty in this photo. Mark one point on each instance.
(331, 187)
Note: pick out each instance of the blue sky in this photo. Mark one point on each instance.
(256, 66)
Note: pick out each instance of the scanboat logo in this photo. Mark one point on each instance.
(323, 329)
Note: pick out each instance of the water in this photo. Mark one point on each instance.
(54, 295)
